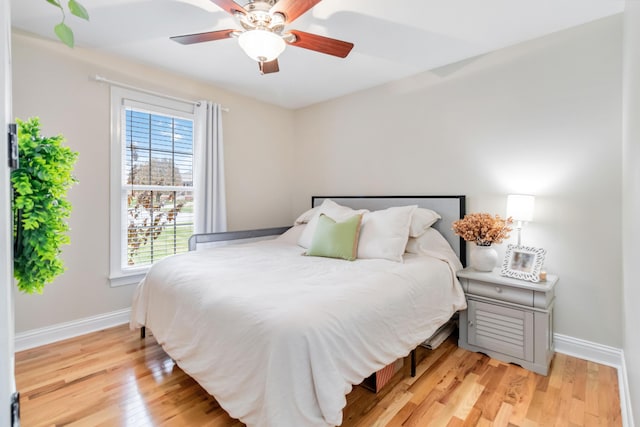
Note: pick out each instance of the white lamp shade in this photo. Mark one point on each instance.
(261, 45)
(520, 207)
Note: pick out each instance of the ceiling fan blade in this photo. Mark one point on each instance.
(230, 6)
(269, 67)
(292, 9)
(321, 44)
(202, 37)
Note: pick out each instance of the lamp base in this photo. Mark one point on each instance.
(519, 225)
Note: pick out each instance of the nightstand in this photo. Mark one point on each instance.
(508, 319)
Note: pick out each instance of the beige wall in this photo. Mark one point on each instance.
(52, 82)
(631, 205)
(542, 117)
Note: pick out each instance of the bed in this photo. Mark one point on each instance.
(279, 339)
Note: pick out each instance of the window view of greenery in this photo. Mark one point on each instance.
(158, 182)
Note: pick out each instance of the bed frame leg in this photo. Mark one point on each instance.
(413, 362)
(143, 332)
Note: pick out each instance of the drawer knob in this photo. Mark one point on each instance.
(498, 289)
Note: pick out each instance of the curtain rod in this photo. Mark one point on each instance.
(99, 78)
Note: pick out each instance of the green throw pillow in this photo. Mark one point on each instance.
(336, 239)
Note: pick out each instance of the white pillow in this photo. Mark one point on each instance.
(384, 233)
(292, 235)
(421, 220)
(306, 216)
(434, 244)
(333, 210)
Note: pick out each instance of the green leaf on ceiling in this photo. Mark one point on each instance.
(77, 9)
(55, 3)
(64, 33)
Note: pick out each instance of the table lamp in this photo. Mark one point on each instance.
(520, 209)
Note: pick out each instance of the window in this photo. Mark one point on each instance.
(152, 195)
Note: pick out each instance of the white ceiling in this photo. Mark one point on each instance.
(393, 39)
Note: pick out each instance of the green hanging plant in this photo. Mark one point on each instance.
(40, 207)
(62, 30)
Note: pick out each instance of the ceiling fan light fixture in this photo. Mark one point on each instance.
(261, 45)
(263, 35)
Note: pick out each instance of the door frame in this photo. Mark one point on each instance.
(7, 375)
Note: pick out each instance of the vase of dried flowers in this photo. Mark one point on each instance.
(484, 230)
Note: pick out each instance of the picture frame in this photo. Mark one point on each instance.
(523, 262)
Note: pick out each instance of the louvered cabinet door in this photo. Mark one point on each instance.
(502, 329)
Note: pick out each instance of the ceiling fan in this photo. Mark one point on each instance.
(263, 37)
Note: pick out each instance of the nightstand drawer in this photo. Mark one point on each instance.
(501, 292)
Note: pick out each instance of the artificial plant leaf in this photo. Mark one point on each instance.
(64, 33)
(42, 228)
(78, 10)
(55, 3)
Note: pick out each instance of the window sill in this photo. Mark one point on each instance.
(127, 279)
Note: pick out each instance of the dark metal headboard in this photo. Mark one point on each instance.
(450, 209)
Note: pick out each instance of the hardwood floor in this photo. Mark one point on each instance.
(113, 378)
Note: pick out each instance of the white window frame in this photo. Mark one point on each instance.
(120, 99)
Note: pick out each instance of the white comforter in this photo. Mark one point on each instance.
(279, 338)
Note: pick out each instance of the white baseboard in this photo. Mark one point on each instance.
(604, 355)
(63, 331)
(625, 396)
(588, 350)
